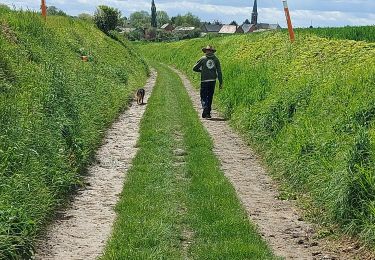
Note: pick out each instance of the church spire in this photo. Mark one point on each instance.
(254, 15)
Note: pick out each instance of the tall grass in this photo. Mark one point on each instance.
(53, 111)
(356, 33)
(309, 110)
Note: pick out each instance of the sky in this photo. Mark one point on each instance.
(319, 13)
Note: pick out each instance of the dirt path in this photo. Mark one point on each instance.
(277, 220)
(83, 229)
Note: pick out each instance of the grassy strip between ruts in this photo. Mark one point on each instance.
(176, 202)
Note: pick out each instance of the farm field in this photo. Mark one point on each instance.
(54, 109)
(356, 33)
(308, 108)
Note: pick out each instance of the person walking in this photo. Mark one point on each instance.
(210, 69)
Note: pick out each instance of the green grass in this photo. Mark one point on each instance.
(166, 197)
(356, 33)
(308, 108)
(54, 110)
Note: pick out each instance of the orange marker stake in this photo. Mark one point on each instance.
(44, 9)
(288, 20)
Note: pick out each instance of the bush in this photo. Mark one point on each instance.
(106, 18)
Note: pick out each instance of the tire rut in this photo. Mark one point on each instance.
(278, 221)
(82, 230)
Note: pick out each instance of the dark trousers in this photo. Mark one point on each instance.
(207, 94)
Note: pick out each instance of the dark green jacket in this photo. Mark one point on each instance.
(210, 69)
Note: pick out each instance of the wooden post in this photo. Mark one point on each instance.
(44, 9)
(288, 20)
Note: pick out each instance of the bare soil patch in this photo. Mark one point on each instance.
(278, 221)
(84, 227)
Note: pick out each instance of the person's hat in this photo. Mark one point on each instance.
(208, 48)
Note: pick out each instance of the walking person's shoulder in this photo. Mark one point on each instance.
(216, 58)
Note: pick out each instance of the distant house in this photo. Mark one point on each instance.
(167, 27)
(126, 29)
(259, 27)
(231, 29)
(211, 28)
(248, 28)
(183, 29)
(266, 27)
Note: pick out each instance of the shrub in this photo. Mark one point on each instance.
(106, 18)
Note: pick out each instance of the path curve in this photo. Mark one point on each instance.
(277, 220)
(83, 229)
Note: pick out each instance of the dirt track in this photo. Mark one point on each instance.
(278, 221)
(82, 230)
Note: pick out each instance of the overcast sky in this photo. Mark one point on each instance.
(303, 12)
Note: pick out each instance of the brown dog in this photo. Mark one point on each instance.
(140, 95)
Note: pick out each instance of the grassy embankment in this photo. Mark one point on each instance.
(54, 109)
(308, 108)
(356, 33)
(178, 204)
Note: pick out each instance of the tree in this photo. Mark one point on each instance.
(106, 18)
(86, 17)
(154, 22)
(192, 20)
(4, 7)
(53, 10)
(162, 18)
(234, 23)
(123, 21)
(186, 20)
(140, 19)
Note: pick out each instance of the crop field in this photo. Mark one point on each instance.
(54, 109)
(356, 33)
(309, 109)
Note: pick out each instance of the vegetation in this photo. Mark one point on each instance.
(186, 20)
(309, 110)
(142, 21)
(162, 18)
(107, 18)
(86, 17)
(53, 10)
(177, 205)
(4, 7)
(356, 33)
(54, 109)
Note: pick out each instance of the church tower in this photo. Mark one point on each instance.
(254, 15)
